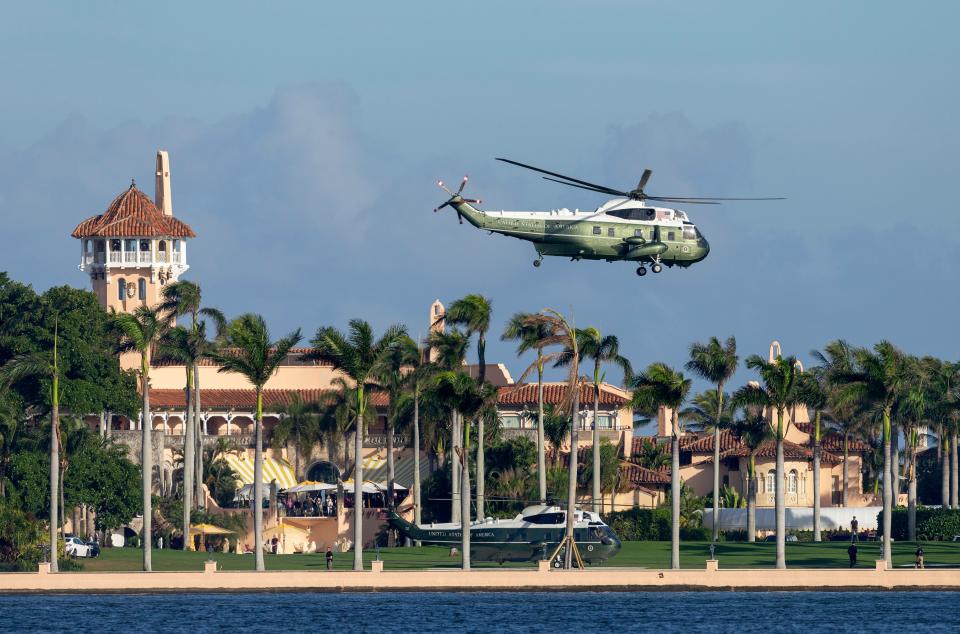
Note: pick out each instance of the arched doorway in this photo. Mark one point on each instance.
(323, 471)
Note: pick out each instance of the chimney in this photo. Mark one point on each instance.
(162, 195)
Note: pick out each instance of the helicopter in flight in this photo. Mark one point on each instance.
(623, 228)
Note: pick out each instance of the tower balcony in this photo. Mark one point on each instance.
(128, 252)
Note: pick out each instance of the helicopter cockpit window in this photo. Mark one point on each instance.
(546, 518)
(689, 232)
(597, 231)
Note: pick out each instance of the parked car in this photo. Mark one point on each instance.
(786, 538)
(76, 547)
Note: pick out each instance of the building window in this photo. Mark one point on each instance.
(597, 231)
(605, 421)
(792, 481)
(142, 288)
(771, 486)
(162, 245)
(130, 246)
(115, 246)
(145, 245)
(510, 422)
(176, 246)
(121, 289)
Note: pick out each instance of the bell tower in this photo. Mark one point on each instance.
(136, 246)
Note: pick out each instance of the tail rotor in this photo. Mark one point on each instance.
(456, 198)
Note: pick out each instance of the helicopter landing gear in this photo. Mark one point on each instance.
(538, 261)
(641, 271)
(656, 268)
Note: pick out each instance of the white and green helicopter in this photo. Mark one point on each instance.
(624, 228)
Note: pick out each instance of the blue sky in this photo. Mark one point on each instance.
(305, 139)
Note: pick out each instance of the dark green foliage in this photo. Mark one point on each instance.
(21, 540)
(639, 524)
(520, 452)
(934, 524)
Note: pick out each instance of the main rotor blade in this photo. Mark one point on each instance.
(591, 189)
(688, 201)
(688, 198)
(603, 188)
(643, 179)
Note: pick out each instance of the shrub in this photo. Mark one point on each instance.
(639, 524)
(932, 523)
(21, 539)
(698, 534)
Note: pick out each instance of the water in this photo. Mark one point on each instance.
(426, 613)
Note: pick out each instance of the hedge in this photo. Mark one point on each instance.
(932, 523)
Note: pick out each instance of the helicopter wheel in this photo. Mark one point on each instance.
(656, 268)
(536, 263)
(641, 271)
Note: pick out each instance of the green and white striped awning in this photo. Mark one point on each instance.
(375, 470)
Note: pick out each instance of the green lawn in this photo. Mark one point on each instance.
(639, 554)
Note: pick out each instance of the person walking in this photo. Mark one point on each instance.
(854, 526)
(919, 554)
(329, 559)
(329, 505)
(852, 552)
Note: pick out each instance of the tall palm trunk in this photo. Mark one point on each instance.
(846, 463)
(416, 457)
(895, 462)
(54, 464)
(358, 480)
(887, 487)
(816, 478)
(146, 466)
(391, 466)
(945, 470)
(465, 506)
(481, 471)
(454, 471)
(912, 493)
(572, 481)
(716, 464)
(675, 498)
(200, 500)
(780, 510)
(258, 483)
(541, 441)
(752, 500)
(597, 499)
(954, 503)
(188, 458)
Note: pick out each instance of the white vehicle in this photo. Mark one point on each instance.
(76, 547)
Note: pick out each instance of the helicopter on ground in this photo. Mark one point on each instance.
(622, 229)
(530, 536)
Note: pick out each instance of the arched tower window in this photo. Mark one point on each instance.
(771, 482)
(121, 289)
(792, 481)
(142, 288)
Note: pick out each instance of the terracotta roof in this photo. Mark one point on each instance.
(833, 441)
(791, 451)
(243, 399)
(703, 443)
(294, 357)
(641, 476)
(553, 393)
(133, 214)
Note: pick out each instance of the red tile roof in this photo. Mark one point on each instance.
(641, 476)
(294, 357)
(553, 393)
(791, 451)
(830, 440)
(133, 214)
(244, 399)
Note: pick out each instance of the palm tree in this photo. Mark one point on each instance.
(356, 354)
(814, 388)
(519, 329)
(249, 352)
(779, 390)
(556, 426)
(41, 365)
(717, 363)
(944, 408)
(451, 349)
(473, 313)
(752, 430)
(878, 380)
(599, 348)
(462, 394)
(187, 347)
(139, 332)
(391, 377)
(299, 426)
(183, 298)
(561, 332)
(662, 386)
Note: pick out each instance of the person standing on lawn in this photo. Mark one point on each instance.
(852, 551)
(919, 554)
(329, 559)
(854, 526)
